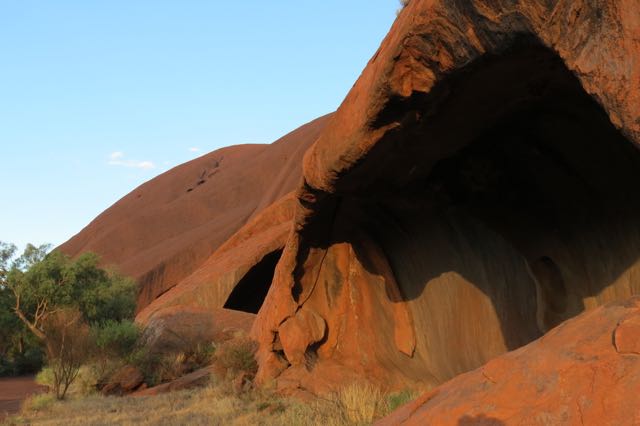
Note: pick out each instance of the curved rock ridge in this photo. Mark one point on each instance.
(574, 375)
(211, 285)
(476, 188)
(165, 229)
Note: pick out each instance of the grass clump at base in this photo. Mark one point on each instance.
(356, 404)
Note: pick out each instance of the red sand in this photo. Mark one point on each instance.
(14, 390)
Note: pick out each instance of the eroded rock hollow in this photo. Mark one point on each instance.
(473, 191)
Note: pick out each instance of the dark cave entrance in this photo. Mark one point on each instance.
(249, 294)
(509, 179)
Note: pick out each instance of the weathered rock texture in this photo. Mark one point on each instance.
(125, 380)
(168, 227)
(180, 328)
(574, 375)
(477, 187)
(195, 379)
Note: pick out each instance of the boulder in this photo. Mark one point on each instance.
(181, 328)
(192, 380)
(574, 375)
(123, 381)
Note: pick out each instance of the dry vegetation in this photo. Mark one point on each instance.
(230, 398)
(217, 403)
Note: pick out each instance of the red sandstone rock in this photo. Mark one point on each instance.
(195, 379)
(166, 228)
(181, 328)
(210, 286)
(572, 376)
(123, 381)
(300, 332)
(477, 187)
(626, 336)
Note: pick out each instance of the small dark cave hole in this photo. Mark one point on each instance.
(250, 292)
(552, 286)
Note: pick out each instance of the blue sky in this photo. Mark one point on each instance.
(97, 97)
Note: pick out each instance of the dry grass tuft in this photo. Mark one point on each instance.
(358, 402)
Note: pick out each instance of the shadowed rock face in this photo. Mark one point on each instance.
(476, 188)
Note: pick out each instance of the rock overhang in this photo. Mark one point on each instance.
(445, 76)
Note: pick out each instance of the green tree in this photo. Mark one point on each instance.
(20, 351)
(43, 284)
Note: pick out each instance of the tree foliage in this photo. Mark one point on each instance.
(37, 287)
(44, 284)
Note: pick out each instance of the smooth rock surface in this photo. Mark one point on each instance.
(165, 229)
(572, 376)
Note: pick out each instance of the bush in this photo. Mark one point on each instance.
(397, 399)
(237, 356)
(39, 402)
(45, 377)
(116, 338)
(85, 383)
(160, 368)
(68, 346)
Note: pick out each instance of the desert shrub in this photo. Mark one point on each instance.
(160, 368)
(201, 355)
(397, 399)
(115, 343)
(68, 347)
(169, 367)
(116, 338)
(38, 402)
(87, 381)
(237, 356)
(45, 377)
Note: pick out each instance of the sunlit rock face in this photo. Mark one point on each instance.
(585, 371)
(168, 229)
(476, 188)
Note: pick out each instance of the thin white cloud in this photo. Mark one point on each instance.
(194, 149)
(117, 158)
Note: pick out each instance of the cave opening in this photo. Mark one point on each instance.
(249, 294)
(505, 202)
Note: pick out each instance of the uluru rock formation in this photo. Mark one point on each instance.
(476, 189)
